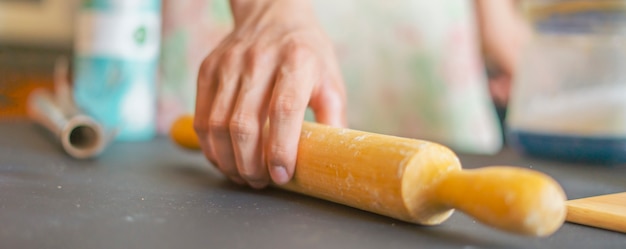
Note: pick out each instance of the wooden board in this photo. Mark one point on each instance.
(605, 211)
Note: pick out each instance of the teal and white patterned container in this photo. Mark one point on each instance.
(116, 60)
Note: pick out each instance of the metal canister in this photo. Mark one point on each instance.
(116, 60)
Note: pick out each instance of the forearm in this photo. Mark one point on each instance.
(503, 31)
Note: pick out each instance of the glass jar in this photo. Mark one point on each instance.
(568, 100)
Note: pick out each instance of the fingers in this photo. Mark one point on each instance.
(249, 115)
(205, 93)
(294, 84)
(221, 110)
(329, 103)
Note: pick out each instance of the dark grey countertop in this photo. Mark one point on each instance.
(154, 195)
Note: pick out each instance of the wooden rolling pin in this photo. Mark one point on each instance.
(413, 180)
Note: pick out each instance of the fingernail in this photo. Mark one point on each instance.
(279, 175)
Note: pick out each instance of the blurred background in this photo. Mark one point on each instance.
(412, 68)
(33, 33)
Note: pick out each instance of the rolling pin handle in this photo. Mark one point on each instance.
(513, 199)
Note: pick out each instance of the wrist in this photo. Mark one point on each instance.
(244, 9)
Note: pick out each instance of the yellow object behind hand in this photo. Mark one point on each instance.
(182, 135)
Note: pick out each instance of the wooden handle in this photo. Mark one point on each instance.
(510, 198)
(414, 180)
(604, 211)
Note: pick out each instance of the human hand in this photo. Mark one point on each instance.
(274, 64)
(504, 33)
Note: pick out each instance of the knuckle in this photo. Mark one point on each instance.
(210, 59)
(232, 54)
(205, 67)
(278, 155)
(297, 51)
(200, 126)
(242, 127)
(277, 151)
(218, 125)
(206, 62)
(255, 55)
(286, 106)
